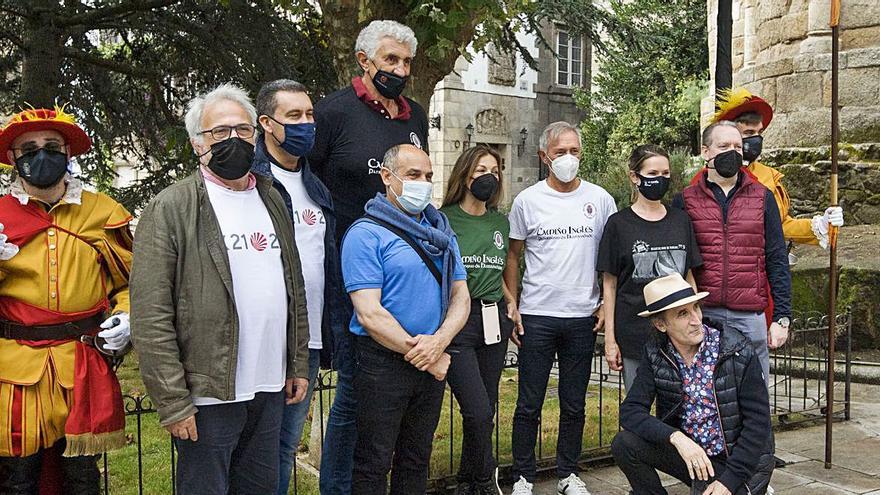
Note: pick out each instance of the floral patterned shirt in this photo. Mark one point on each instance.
(700, 420)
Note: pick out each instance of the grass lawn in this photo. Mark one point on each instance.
(156, 445)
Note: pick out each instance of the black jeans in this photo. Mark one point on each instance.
(21, 475)
(237, 449)
(473, 377)
(639, 460)
(398, 408)
(571, 341)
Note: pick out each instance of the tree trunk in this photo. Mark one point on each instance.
(41, 65)
(340, 20)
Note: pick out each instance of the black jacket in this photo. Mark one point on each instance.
(336, 314)
(742, 399)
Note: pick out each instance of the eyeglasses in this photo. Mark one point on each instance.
(222, 132)
(52, 146)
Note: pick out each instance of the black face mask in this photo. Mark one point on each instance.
(752, 147)
(42, 168)
(653, 188)
(389, 84)
(727, 164)
(484, 186)
(231, 158)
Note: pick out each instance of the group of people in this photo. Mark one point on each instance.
(306, 239)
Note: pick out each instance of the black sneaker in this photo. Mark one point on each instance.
(465, 488)
(489, 487)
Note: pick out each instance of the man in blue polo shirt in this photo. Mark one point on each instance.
(402, 268)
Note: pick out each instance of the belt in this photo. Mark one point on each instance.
(63, 331)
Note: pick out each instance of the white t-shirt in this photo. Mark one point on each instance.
(309, 227)
(258, 287)
(562, 233)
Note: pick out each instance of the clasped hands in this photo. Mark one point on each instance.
(427, 354)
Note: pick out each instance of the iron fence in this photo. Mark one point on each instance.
(797, 394)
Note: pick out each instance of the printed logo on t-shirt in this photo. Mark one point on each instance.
(373, 166)
(499, 240)
(564, 232)
(589, 211)
(658, 261)
(414, 139)
(255, 241)
(308, 216)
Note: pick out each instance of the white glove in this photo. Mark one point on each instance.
(117, 332)
(832, 215)
(7, 249)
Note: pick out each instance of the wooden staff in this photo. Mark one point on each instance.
(832, 231)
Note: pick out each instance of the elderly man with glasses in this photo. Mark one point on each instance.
(219, 308)
(65, 255)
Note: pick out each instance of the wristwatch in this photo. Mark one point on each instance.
(784, 322)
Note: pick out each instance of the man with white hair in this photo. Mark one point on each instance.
(218, 307)
(559, 222)
(355, 126)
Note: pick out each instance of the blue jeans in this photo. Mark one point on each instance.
(571, 341)
(337, 456)
(292, 425)
(237, 449)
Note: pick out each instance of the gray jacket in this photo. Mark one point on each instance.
(184, 324)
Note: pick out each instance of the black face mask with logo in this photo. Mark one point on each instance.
(389, 84)
(727, 164)
(752, 147)
(231, 158)
(42, 168)
(653, 188)
(484, 186)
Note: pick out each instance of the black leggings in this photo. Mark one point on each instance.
(477, 397)
(21, 475)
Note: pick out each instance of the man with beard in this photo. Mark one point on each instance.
(65, 255)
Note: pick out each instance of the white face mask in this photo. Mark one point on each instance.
(416, 194)
(565, 167)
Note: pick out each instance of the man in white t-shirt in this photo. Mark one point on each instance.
(559, 222)
(287, 135)
(218, 307)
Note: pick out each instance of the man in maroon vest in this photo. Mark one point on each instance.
(739, 232)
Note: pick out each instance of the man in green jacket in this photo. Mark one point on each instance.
(218, 307)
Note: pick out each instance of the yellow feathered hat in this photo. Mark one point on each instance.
(41, 119)
(737, 101)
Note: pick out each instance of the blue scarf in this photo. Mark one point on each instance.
(436, 240)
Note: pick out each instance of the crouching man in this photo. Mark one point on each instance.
(713, 418)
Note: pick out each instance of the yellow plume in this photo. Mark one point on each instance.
(31, 114)
(730, 99)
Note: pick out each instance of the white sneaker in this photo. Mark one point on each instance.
(572, 486)
(522, 487)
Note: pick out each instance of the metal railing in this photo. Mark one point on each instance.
(797, 394)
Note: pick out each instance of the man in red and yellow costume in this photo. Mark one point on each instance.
(752, 115)
(65, 255)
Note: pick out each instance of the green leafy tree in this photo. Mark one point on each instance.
(128, 68)
(652, 75)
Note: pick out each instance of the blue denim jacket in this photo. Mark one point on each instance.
(336, 309)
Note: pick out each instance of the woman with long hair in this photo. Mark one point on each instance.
(646, 241)
(475, 189)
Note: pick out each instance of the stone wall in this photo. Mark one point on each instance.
(782, 52)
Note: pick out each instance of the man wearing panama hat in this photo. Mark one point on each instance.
(65, 255)
(713, 418)
(752, 115)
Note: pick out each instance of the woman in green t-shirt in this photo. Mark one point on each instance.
(471, 205)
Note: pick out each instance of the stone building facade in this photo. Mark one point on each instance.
(498, 100)
(782, 52)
